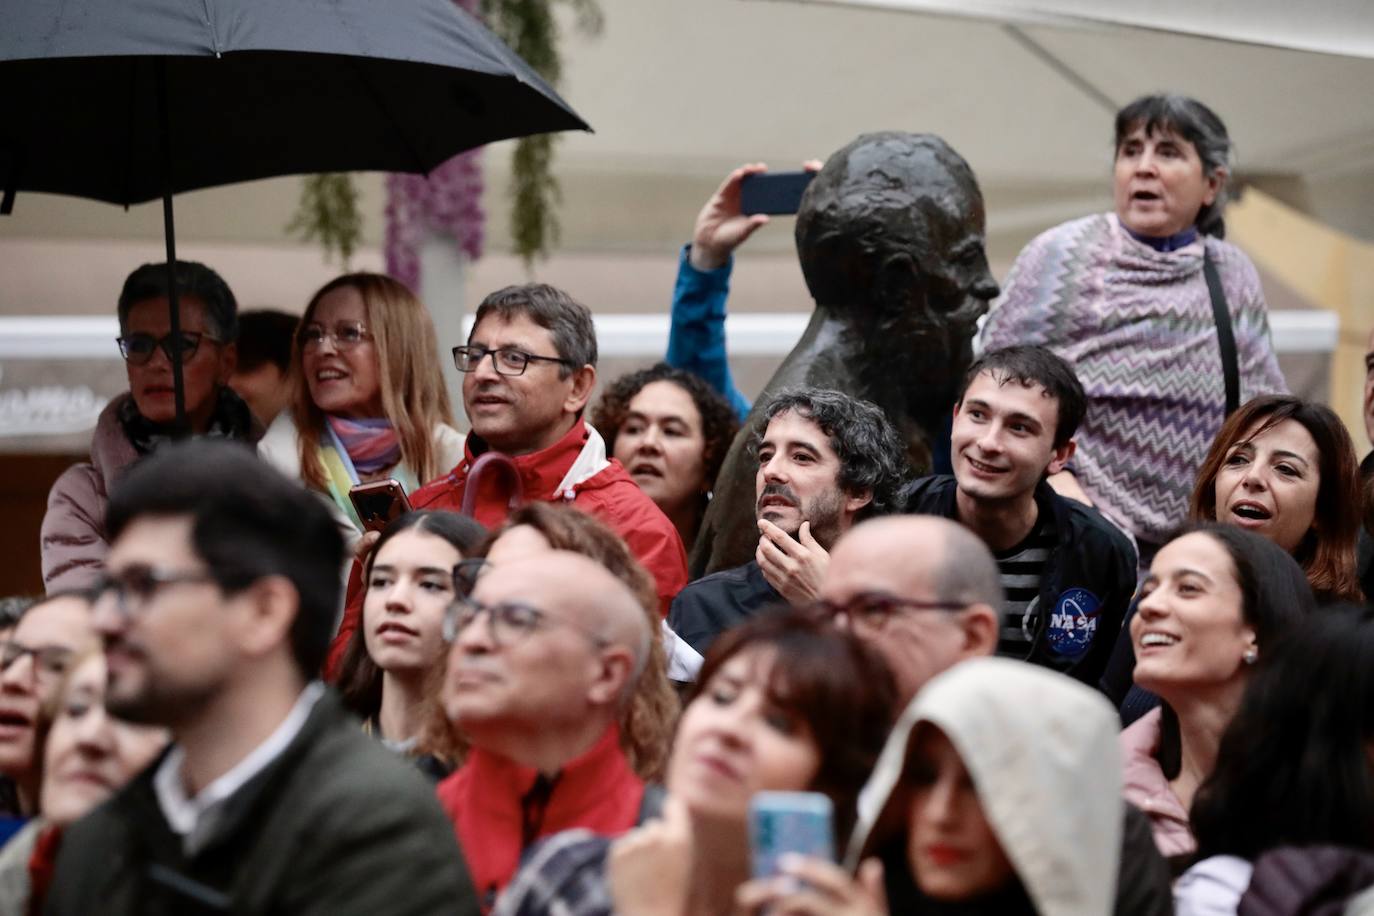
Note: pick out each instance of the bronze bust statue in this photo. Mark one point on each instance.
(890, 236)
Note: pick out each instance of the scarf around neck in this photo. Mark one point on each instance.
(371, 444)
(231, 420)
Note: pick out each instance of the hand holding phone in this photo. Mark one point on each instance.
(773, 192)
(782, 823)
(379, 502)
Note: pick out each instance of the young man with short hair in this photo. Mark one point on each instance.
(216, 611)
(1068, 573)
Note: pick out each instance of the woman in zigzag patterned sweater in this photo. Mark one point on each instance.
(1123, 297)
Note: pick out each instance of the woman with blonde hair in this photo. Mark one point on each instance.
(369, 399)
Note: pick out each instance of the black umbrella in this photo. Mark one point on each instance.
(126, 101)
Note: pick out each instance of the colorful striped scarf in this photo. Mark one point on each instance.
(371, 444)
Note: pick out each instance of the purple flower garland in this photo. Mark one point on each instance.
(447, 201)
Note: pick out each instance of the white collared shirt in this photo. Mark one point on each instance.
(192, 818)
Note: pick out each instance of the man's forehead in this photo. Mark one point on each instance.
(496, 331)
(153, 540)
(792, 427)
(877, 558)
(1003, 392)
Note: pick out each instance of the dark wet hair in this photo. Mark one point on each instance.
(1293, 767)
(872, 455)
(360, 680)
(833, 682)
(248, 522)
(569, 321)
(1034, 365)
(1194, 122)
(1327, 553)
(266, 336)
(718, 421)
(192, 279)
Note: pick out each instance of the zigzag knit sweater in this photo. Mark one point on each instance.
(1137, 326)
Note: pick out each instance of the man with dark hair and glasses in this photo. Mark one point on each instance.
(34, 659)
(74, 540)
(529, 367)
(1068, 572)
(216, 610)
(545, 653)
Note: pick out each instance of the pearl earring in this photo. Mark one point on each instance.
(1250, 656)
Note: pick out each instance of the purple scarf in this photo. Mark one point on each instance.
(371, 444)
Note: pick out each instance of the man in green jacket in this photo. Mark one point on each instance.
(217, 607)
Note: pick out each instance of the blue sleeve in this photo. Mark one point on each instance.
(696, 339)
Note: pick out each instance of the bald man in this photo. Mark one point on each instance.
(544, 654)
(923, 590)
(926, 593)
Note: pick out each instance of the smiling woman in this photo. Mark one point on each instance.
(369, 400)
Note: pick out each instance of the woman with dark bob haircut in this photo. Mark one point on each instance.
(1285, 468)
(671, 430)
(1294, 767)
(1216, 601)
(784, 703)
(395, 658)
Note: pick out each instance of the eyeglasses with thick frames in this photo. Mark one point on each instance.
(508, 621)
(51, 661)
(346, 335)
(508, 361)
(134, 587)
(137, 349)
(872, 610)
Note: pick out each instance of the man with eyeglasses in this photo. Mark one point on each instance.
(538, 674)
(216, 612)
(825, 462)
(529, 367)
(134, 424)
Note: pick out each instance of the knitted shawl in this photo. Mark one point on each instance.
(1137, 326)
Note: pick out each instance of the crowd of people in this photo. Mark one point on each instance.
(1109, 654)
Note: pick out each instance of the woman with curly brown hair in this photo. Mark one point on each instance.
(646, 726)
(671, 431)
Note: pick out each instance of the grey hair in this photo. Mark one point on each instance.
(569, 321)
(872, 454)
(967, 571)
(1200, 126)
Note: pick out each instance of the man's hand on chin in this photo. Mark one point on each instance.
(795, 567)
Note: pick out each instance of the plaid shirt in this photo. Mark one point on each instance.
(565, 875)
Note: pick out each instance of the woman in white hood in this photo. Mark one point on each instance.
(998, 792)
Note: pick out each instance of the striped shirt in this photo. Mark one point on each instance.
(1021, 567)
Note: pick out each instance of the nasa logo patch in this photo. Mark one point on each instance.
(1073, 623)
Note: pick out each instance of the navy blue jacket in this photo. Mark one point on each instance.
(715, 603)
(1085, 587)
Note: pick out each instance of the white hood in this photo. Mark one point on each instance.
(1041, 749)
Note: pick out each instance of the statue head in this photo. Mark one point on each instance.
(893, 226)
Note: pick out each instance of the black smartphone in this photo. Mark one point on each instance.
(379, 502)
(773, 192)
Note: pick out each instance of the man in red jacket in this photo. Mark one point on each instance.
(530, 366)
(544, 654)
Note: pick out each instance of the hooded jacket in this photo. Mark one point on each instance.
(73, 541)
(1041, 751)
(573, 470)
(1086, 585)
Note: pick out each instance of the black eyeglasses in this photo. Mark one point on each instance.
(135, 586)
(506, 360)
(346, 335)
(137, 349)
(872, 610)
(507, 621)
(52, 661)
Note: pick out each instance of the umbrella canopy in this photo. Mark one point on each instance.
(252, 89)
